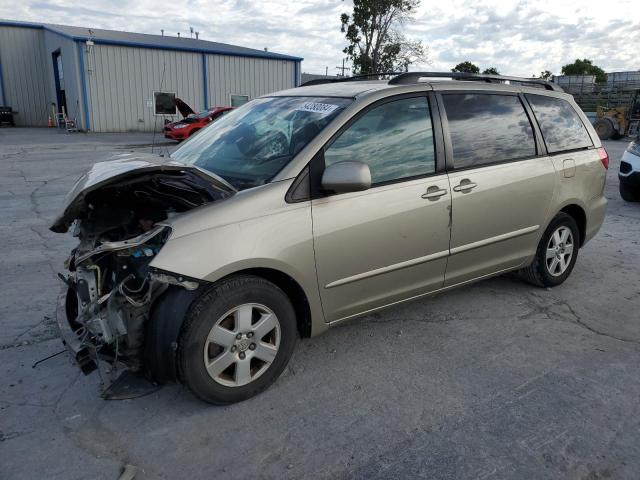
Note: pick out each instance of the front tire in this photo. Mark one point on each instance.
(236, 340)
(556, 253)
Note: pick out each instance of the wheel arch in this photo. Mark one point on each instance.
(291, 288)
(578, 213)
(168, 312)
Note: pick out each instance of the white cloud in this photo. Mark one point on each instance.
(519, 38)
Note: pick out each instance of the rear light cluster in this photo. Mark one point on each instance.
(604, 157)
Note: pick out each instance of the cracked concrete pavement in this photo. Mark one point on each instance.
(494, 380)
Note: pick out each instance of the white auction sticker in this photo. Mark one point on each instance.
(323, 108)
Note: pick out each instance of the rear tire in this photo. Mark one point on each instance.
(556, 253)
(223, 355)
(627, 194)
(604, 128)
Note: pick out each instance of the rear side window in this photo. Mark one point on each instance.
(395, 139)
(488, 129)
(560, 124)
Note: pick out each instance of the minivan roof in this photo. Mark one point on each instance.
(337, 89)
(360, 88)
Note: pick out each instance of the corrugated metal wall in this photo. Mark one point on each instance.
(246, 76)
(121, 82)
(25, 73)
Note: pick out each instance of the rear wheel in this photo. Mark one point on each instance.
(556, 254)
(237, 339)
(628, 194)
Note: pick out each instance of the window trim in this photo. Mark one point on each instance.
(447, 133)
(544, 142)
(541, 147)
(164, 114)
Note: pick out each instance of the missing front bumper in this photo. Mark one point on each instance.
(124, 385)
(82, 355)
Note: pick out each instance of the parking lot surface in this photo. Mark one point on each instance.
(494, 380)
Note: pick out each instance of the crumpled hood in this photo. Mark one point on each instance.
(118, 168)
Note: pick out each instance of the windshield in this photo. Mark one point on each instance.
(249, 145)
(204, 114)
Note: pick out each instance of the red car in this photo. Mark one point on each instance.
(192, 121)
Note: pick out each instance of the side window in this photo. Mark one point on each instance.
(488, 129)
(395, 139)
(561, 126)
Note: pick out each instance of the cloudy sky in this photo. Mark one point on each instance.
(517, 37)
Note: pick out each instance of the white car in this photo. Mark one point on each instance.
(629, 174)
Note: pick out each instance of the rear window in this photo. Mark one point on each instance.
(488, 129)
(560, 124)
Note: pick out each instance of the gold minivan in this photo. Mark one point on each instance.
(308, 207)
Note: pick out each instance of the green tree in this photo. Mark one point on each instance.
(491, 71)
(375, 42)
(585, 67)
(466, 67)
(546, 75)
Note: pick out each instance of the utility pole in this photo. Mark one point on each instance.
(326, 71)
(342, 69)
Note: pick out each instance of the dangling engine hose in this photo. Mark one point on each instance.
(132, 301)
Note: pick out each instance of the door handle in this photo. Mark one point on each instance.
(465, 185)
(433, 193)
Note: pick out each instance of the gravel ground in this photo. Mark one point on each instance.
(494, 380)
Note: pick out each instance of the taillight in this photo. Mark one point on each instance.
(604, 157)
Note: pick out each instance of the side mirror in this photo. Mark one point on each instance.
(343, 177)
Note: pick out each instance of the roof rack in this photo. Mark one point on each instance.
(414, 77)
(320, 81)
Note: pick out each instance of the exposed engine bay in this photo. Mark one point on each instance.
(120, 226)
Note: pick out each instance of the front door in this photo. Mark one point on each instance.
(390, 242)
(501, 189)
(58, 75)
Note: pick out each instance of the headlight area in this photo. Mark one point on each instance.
(170, 278)
(110, 290)
(634, 147)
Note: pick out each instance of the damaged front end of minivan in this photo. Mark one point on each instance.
(120, 211)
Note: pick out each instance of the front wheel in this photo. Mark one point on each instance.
(556, 253)
(237, 339)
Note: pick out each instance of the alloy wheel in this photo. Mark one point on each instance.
(242, 345)
(559, 251)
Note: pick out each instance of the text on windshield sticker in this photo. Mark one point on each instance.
(322, 108)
